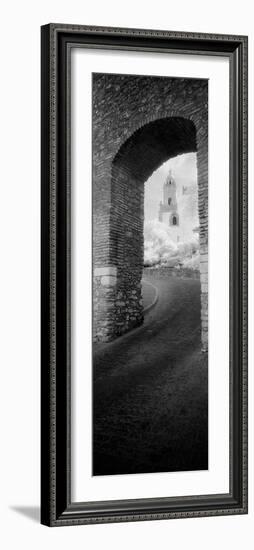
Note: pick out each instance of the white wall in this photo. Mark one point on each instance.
(19, 218)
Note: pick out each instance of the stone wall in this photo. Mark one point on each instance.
(138, 123)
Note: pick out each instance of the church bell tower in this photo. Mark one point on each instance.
(168, 212)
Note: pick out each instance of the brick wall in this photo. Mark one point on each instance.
(138, 123)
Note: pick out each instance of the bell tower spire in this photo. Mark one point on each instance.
(169, 192)
(168, 211)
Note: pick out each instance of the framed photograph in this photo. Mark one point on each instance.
(144, 275)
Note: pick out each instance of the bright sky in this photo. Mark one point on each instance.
(184, 170)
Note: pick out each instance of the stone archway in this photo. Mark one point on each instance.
(121, 167)
(141, 154)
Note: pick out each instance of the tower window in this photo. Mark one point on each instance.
(174, 220)
(169, 201)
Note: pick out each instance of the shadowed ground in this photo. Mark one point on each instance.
(150, 389)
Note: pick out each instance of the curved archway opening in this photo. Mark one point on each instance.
(140, 155)
(154, 143)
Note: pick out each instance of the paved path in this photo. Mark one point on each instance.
(150, 389)
(149, 295)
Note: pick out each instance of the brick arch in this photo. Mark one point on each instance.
(139, 156)
(155, 142)
(148, 119)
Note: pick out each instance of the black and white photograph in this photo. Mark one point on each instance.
(150, 274)
(144, 275)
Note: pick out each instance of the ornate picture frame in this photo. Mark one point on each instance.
(57, 507)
